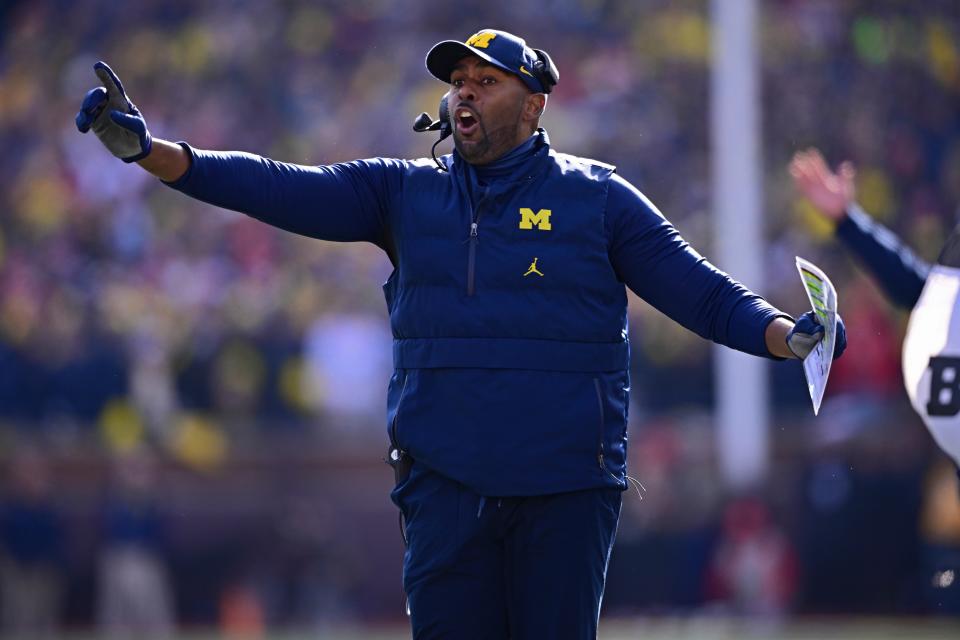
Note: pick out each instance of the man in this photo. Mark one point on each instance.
(507, 410)
(931, 347)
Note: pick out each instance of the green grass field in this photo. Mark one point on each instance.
(692, 628)
(711, 628)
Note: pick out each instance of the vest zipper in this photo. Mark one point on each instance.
(472, 253)
(473, 240)
(472, 257)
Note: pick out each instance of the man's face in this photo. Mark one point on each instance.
(486, 107)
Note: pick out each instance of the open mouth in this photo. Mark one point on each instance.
(467, 121)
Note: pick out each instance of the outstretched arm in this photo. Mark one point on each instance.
(342, 202)
(655, 262)
(897, 269)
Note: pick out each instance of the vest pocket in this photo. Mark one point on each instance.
(397, 457)
(601, 429)
(396, 413)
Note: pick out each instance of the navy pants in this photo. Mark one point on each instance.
(497, 568)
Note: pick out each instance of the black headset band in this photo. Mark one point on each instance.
(545, 71)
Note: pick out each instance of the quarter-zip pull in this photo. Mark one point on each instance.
(473, 229)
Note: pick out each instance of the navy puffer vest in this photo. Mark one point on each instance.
(509, 325)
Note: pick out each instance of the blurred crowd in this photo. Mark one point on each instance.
(133, 319)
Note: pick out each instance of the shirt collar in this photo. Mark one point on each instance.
(520, 163)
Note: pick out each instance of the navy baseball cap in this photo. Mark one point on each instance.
(501, 49)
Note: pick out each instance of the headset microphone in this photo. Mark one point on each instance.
(424, 123)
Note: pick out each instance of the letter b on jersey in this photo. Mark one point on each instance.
(944, 386)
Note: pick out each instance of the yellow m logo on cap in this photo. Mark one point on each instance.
(481, 40)
(541, 218)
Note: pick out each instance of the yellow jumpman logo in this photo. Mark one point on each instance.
(533, 269)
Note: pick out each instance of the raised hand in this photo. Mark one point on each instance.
(114, 119)
(831, 193)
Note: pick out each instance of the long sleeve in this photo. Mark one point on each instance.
(345, 202)
(897, 269)
(655, 262)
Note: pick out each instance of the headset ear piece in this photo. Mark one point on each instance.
(445, 127)
(548, 74)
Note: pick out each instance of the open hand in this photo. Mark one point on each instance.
(831, 193)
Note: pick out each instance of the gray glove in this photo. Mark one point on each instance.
(114, 119)
(808, 332)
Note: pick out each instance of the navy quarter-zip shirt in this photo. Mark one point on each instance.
(507, 300)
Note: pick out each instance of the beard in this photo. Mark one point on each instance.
(490, 145)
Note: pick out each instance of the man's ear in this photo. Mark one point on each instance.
(534, 105)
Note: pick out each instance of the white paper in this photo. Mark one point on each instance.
(823, 299)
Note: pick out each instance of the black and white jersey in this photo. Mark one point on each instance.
(931, 357)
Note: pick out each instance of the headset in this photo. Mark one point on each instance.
(543, 70)
(424, 123)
